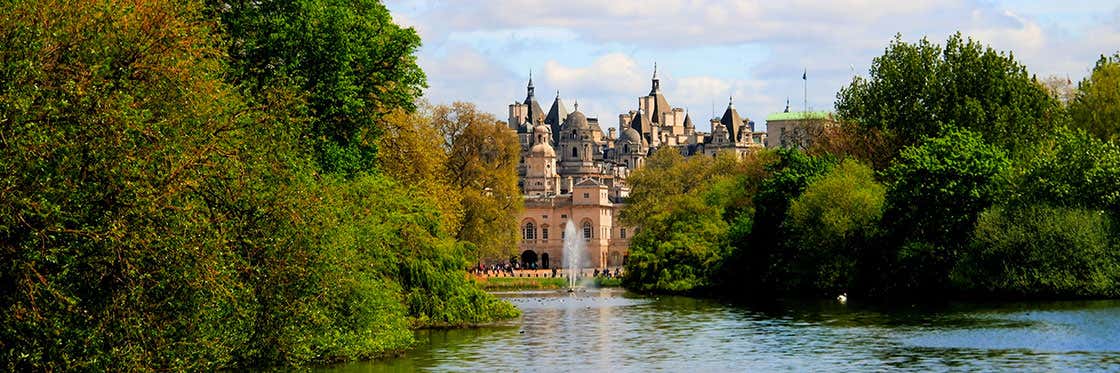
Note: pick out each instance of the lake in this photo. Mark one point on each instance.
(613, 330)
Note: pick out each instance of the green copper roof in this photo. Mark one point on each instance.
(799, 115)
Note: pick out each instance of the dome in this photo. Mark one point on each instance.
(542, 150)
(630, 135)
(576, 120)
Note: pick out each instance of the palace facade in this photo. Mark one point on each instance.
(573, 171)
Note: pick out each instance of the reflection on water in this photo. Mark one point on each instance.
(602, 330)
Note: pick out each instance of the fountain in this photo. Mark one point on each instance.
(573, 252)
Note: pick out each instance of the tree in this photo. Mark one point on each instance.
(917, 89)
(1042, 251)
(347, 61)
(832, 224)
(935, 191)
(684, 210)
(1096, 104)
(482, 165)
(412, 151)
(1073, 169)
(113, 116)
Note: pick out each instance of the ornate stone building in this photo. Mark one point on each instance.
(570, 171)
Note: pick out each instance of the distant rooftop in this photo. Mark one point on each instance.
(799, 115)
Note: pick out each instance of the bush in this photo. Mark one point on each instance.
(1042, 251)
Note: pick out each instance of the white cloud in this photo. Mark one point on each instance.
(599, 51)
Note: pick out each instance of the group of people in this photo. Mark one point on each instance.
(509, 269)
(606, 273)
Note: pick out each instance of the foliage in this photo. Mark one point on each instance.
(412, 152)
(155, 217)
(679, 249)
(681, 207)
(832, 223)
(761, 257)
(1072, 169)
(935, 191)
(1043, 251)
(1096, 103)
(482, 165)
(350, 63)
(109, 126)
(916, 89)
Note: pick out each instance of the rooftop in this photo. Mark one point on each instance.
(799, 115)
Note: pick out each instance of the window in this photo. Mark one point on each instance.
(530, 232)
(622, 233)
(587, 230)
(575, 152)
(544, 232)
(586, 195)
(563, 216)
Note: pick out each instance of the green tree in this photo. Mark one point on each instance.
(1096, 104)
(761, 258)
(1072, 169)
(113, 116)
(832, 223)
(916, 89)
(684, 210)
(935, 191)
(348, 62)
(1042, 251)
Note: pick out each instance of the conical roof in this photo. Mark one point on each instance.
(732, 120)
(556, 113)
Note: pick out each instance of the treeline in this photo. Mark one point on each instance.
(190, 185)
(953, 173)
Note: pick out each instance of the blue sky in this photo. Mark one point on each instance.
(601, 53)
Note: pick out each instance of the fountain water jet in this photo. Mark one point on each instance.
(573, 252)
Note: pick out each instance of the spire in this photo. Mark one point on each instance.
(529, 96)
(654, 70)
(730, 102)
(787, 105)
(576, 105)
(656, 82)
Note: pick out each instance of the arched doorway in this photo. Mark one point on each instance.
(615, 259)
(528, 258)
(544, 260)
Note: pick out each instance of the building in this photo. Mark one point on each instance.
(796, 129)
(571, 171)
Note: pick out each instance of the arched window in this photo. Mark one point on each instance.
(575, 152)
(587, 230)
(530, 232)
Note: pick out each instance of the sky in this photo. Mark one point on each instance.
(601, 53)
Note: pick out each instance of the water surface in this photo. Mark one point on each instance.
(612, 330)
